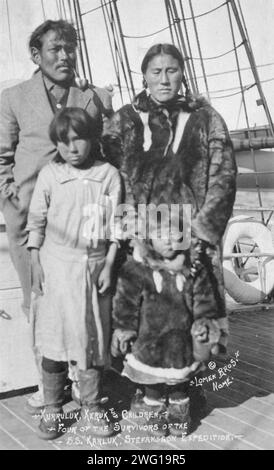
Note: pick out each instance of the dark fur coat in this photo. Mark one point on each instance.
(162, 150)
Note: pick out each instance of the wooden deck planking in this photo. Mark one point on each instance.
(267, 344)
(252, 323)
(257, 362)
(260, 352)
(253, 436)
(220, 438)
(236, 396)
(240, 416)
(237, 443)
(262, 323)
(9, 441)
(227, 407)
(21, 425)
(265, 377)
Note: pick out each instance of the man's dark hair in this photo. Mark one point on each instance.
(64, 30)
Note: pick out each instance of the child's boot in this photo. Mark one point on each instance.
(50, 424)
(198, 402)
(178, 416)
(157, 421)
(153, 405)
(94, 416)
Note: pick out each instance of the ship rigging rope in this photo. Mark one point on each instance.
(70, 11)
(117, 52)
(232, 71)
(246, 87)
(10, 40)
(62, 7)
(58, 8)
(189, 46)
(94, 9)
(201, 58)
(119, 48)
(177, 20)
(223, 73)
(189, 18)
(234, 94)
(113, 54)
(43, 9)
(217, 56)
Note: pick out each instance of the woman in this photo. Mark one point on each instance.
(165, 143)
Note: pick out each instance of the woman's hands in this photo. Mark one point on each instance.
(37, 273)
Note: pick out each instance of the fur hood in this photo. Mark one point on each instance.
(145, 253)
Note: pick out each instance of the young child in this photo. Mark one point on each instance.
(169, 339)
(73, 238)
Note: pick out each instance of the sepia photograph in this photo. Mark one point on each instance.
(136, 228)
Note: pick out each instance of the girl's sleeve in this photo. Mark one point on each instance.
(211, 220)
(37, 218)
(115, 219)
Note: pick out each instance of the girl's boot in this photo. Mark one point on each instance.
(94, 416)
(50, 424)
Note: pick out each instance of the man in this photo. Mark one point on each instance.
(26, 111)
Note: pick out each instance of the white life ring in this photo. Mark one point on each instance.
(241, 291)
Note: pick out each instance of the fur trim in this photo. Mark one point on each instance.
(139, 372)
(183, 117)
(144, 253)
(158, 281)
(143, 101)
(147, 132)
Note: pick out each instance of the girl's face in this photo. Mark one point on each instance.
(164, 77)
(75, 151)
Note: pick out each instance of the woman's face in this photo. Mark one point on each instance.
(164, 77)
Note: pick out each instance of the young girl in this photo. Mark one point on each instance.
(73, 238)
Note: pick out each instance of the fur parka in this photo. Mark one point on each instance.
(161, 150)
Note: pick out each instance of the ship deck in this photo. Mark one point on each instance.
(240, 411)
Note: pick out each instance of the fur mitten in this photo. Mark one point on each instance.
(121, 341)
(205, 337)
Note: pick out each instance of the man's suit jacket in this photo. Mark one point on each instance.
(25, 147)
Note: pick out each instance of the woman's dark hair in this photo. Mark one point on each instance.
(158, 49)
(169, 49)
(81, 122)
(64, 30)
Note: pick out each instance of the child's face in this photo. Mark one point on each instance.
(75, 150)
(167, 244)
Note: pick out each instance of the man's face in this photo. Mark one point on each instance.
(56, 58)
